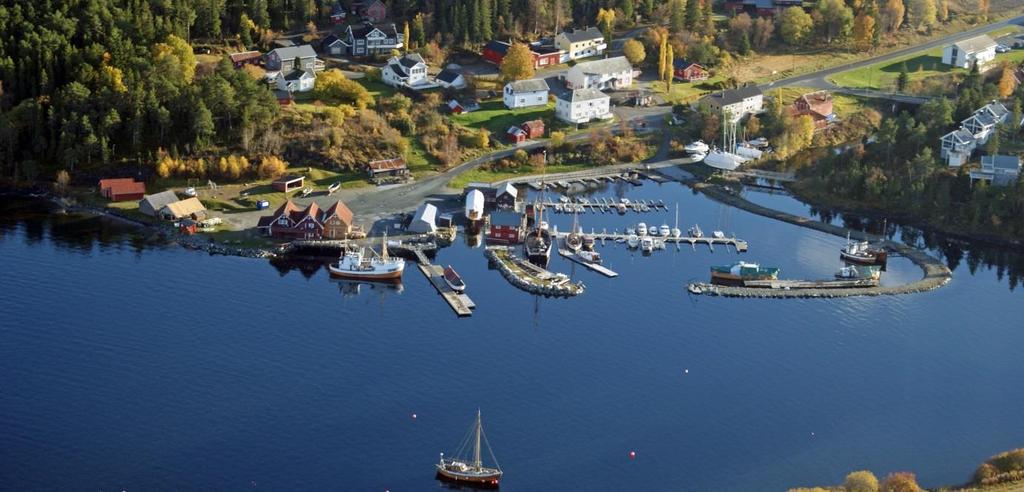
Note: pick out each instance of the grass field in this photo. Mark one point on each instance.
(496, 118)
(479, 175)
(684, 92)
(842, 104)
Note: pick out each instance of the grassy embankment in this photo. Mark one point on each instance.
(922, 65)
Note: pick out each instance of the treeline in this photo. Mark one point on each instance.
(93, 82)
(902, 170)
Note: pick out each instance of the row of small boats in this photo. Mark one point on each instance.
(607, 205)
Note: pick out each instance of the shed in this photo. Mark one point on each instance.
(515, 135)
(288, 183)
(243, 58)
(507, 196)
(151, 204)
(534, 129)
(424, 221)
(122, 189)
(189, 208)
(387, 167)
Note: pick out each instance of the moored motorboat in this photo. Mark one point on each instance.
(621, 207)
(696, 147)
(718, 235)
(664, 230)
(359, 265)
(454, 280)
(471, 471)
(641, 229)
(696, 232)
(632, 241)
(646, 244)
(742, 271)
(589, 256)
(861, 252)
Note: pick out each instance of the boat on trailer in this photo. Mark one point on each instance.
(471, 472)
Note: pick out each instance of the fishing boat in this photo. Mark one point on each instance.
(742, 271)
(862, 253)
(466, 471)
(664, 230)
(538, 245)
(641, 229)
(454, 280)
(696, 232)
(632, 241)
(675, 230)
(872, 272)
(358, 265)
(589, 256)
(646, 244)
(696, 147)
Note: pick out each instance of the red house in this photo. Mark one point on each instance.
(534, 129)
(494, 51)
(688, 71)
(291, 222)
(515, 135)
(375, 11)
(817, 105)
(505, 227)
(122, 189)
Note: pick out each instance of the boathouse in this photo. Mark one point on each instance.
(424, 221)
(189, 208)
(337, 221)
(151, 204)
(122, 189)
(505, 227)
(506, 197)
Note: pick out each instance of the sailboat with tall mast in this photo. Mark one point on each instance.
(537, 245)
(471, 472)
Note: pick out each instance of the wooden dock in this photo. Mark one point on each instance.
(739, 245)
(604, 205)
(459, 302)
(593, 266)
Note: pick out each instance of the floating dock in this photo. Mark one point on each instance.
(739, 245)
(459, 302)
(593, 266)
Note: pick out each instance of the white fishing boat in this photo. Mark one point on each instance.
(359, 265)
(641, 229)
(646, 244)
(632, 241)
(470, 471)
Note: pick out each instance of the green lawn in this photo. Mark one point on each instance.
(496, 118)
(842, 104)
(684, 92)
(480, 175)
(377, 89)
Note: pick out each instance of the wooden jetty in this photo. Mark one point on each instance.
(593, 266)
(739, 245)
(459, 302)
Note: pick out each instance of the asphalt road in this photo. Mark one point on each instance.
(819, 79)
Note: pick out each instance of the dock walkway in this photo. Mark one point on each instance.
(603, 270)
(739, 245)
(459, 302)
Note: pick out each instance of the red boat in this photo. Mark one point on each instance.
(453, 279)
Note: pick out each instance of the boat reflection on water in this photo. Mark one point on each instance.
(352, 288)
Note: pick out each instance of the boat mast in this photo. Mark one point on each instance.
(384, 247)
(476, 446)
(677, 215)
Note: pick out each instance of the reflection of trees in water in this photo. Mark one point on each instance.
(39, 221)
(1007, 262)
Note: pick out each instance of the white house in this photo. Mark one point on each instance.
(957, 147)
(582, 105)
(985, 119)
(737, 102)
(450, 79)
(1000, 170)
(964, 54)
(525, 93)
(296, 81)
(408, 70)
(580, 43)
(610, 73)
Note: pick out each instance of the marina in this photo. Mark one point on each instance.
(593, 266)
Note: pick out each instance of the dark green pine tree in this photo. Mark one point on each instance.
(694, 16)
(904, 78)
(627, 9)
(485, 30)
(677, 15)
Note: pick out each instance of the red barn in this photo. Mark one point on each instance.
(122, 189)
(516, 135)
(534, 129)
(688, 71)
(243, 58)
(505, 227)
(494, 51)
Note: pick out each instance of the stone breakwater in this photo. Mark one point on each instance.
(553, 286)
(935, 273)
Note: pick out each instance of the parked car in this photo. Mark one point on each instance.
(1002, 48)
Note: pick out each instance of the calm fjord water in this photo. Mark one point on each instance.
(127, 366)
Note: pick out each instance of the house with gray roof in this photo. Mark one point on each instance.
(998, 170)
(525, 93)
(957, 147)
(974, 131)
(609, 73)
(152, 204)
(979, 50)
(450, 79)
(580, 43)
(582, 105)
(736, 103)
(408, 70)
(293, 58)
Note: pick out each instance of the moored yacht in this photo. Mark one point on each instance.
(454, 280)
(471, 472)
(641, 229)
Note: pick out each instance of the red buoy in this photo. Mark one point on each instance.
(632, 455)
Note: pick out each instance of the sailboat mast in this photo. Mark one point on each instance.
(677, 215)
(384, 247)
(476, 447)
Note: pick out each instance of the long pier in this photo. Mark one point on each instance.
(459, 302)
(604, 205)
(593, 266)
(739, 245)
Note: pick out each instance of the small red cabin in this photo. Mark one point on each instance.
(689, 71)
(534, 129)
(516, 135)
(122, 189)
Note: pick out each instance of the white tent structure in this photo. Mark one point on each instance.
(424, 221)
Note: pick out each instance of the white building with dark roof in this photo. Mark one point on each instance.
(296, 81)
(580, 43)
(582, 105)
(450, 79)
(610, 73)
(964, 54)
(525, 93)
(957, 147)
(999, 170)
(737, 103)
(408, 70)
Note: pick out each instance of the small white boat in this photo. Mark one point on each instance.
(454, 280)
(722, 160)
(646, 244)
(624, 201)
(695, 231)
(675, 230)
(307, 191)
(190, 191)
(334, 187)
(563, 199)
(664, 230)
(718, 235)
(659, 243)
(621, 208)
(630, 231)
(641, 229)
(632, 241)
(589, 256)
(697, 146)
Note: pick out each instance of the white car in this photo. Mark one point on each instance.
(1002, 48)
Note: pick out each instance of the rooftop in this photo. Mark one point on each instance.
(587, 34)
(293, 52)
(734, 96)
(530, 85)
(606, 66)
(580, 95)
(976, 44)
